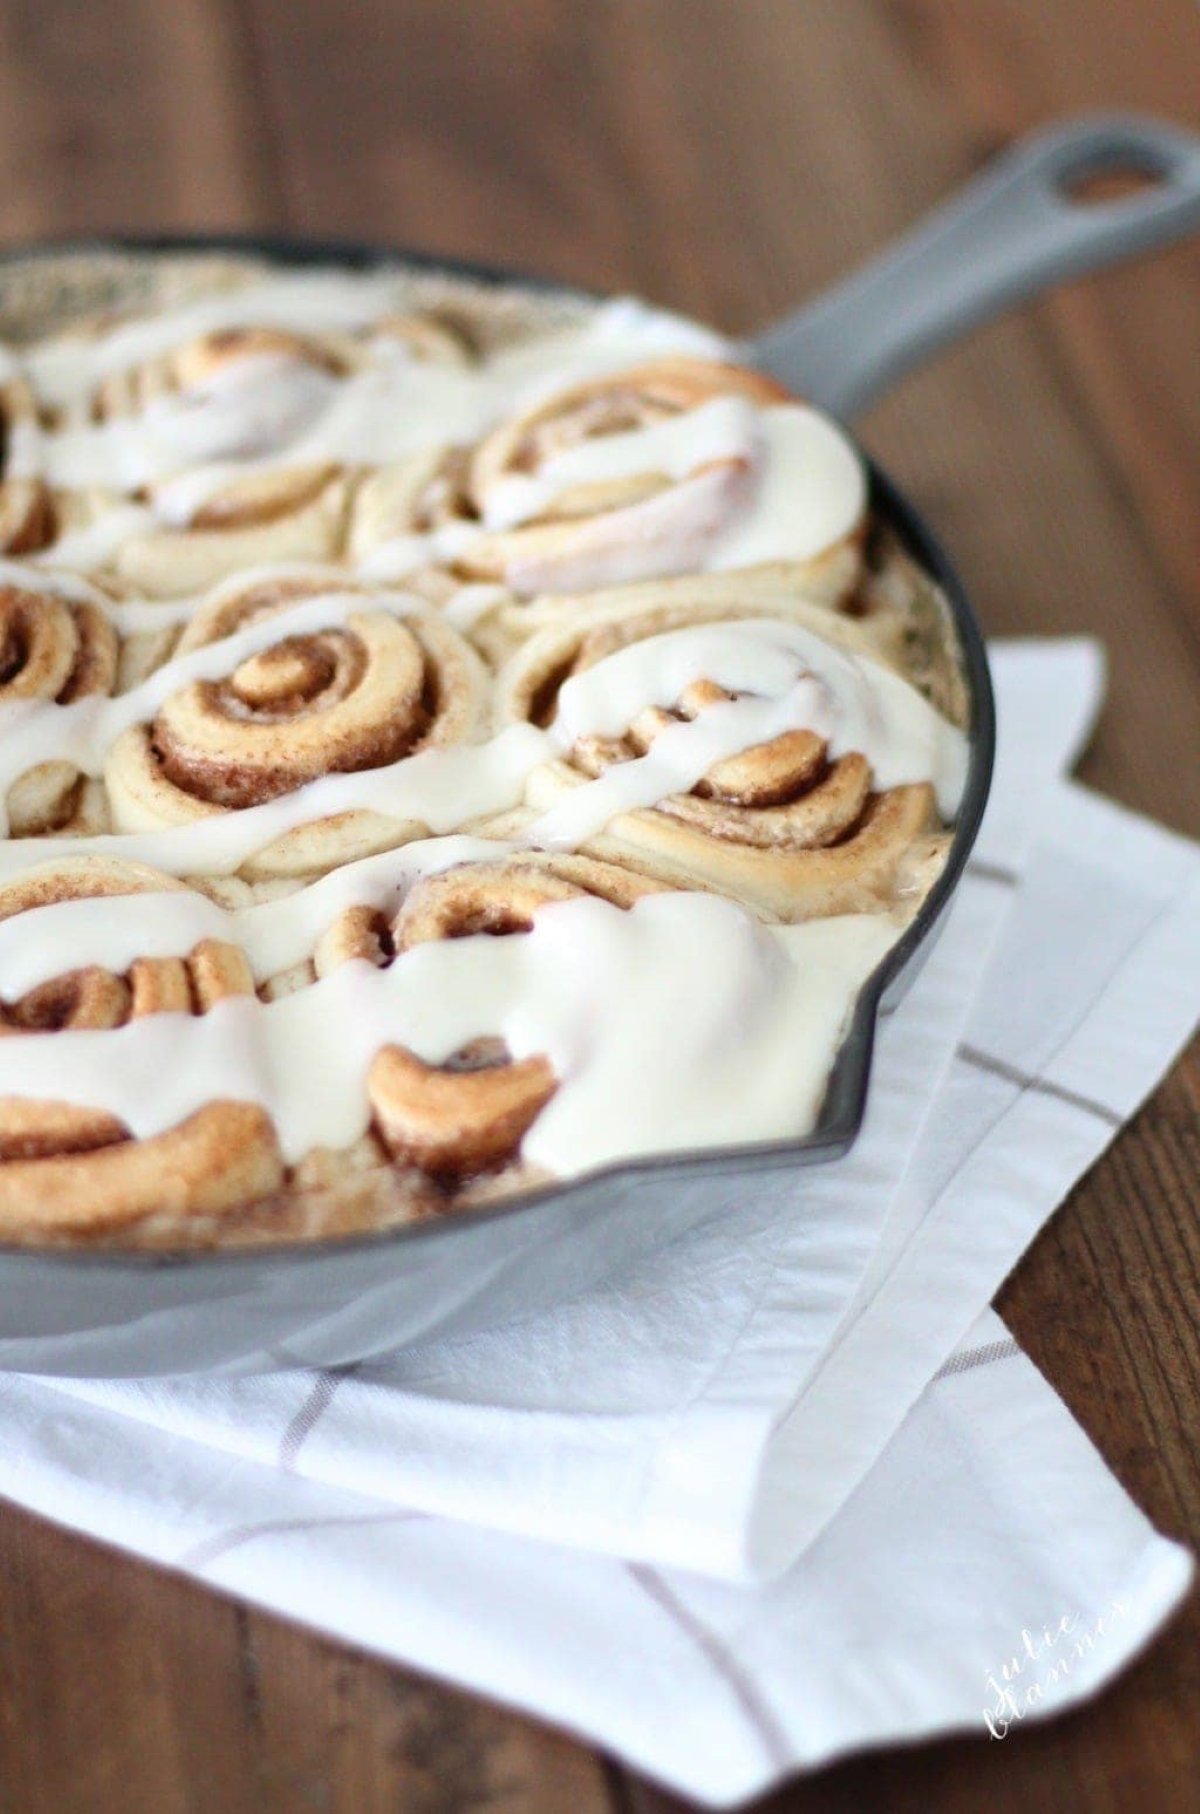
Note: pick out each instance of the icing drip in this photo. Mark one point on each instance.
(810, 491)
(724, 428)
(91, 546)
(792, 680)
(274, 934)
(437, 788)
(659, 1067)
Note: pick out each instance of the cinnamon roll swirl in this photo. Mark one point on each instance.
(362, 693)
(787, 825)
(569, 530)
(58, 648)
(66, 1168)
(247, 400)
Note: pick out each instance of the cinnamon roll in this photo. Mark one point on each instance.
(798, 825)
(437, 758)
(247, 401)
(26, 507)
(658, 470)
(360, 693)
(467, 1114)
(575, 524)
(66, 1167)
(57, 645)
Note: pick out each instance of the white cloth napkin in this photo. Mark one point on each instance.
(988, 1517)
(714, 1411)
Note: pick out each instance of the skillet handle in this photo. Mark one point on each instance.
(1012, 231)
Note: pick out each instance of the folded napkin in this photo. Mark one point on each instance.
(797, 1402)
(988, 1525)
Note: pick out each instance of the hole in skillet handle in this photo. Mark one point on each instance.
(1103, 181)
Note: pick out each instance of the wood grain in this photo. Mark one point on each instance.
(727, 159)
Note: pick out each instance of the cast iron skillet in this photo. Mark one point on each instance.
(1011, 232)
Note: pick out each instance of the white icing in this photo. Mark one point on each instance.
(66, 585)
(724, 428)
(92, 546)
(789, 679)
(438, 788)
(810, 492)
(470, 603)
(808, 488)
(317, 302)
(112, 930)
(23, 450)
(658, 1067)
(403, 554)
(304, 303)
(381, 414)
(266, 410)
(671, 532)
(250, 408)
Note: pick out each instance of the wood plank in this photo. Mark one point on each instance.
(337, 1730)
(118, 1690)
(128, 115)
(126, 1688)
(1123, 348)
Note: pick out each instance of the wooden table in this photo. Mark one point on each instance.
(725, 156)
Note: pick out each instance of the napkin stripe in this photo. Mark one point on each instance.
(978, 1357)
(1042, 1086)
(203, 1555)
(309, 1416)
(771, 1734)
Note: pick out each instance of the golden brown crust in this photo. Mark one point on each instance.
(222, 1158)
(455, 1120)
